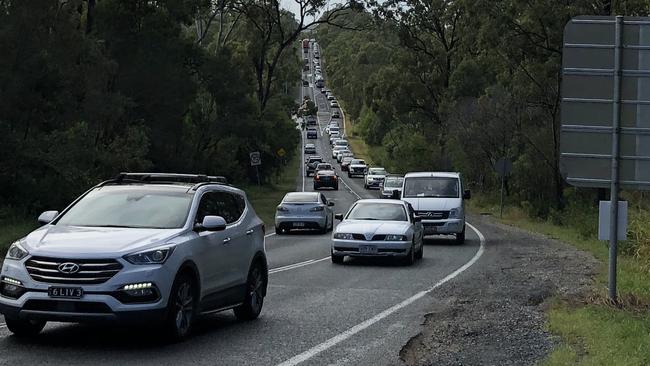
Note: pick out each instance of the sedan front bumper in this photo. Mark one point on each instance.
(370, 248)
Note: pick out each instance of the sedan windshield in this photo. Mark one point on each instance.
(378, 211)
(431, 187)
(393, 182)
(133, 207)
(377, 171)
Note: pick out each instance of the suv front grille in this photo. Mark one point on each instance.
(91, 271)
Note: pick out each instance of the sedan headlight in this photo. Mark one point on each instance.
(344, 236)
(16, 252)
(392, 237)
(454, 212)
(156, 256)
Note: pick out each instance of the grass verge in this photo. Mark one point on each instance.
(265, 199)
(357, 145)
(593, 331)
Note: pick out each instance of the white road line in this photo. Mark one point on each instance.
(363, 325)
(297, 265)
(270, 234)
(350, 189)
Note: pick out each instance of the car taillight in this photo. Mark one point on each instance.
(334, 177)
(316, 177)
(282, 208)
(318, 208)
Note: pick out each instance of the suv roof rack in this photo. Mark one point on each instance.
(126, 177)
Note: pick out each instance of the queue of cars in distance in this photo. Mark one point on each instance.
(166, 249)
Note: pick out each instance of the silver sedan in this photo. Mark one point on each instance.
(304, 210)
(378, 228)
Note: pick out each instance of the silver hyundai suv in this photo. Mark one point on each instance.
(154, 248)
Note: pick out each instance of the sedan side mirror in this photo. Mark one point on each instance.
(330, 203)
(47, 217)
(467, 194)
(211, 223)
(417, 218)
(338, 216)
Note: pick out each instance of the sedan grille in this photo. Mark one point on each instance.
(89, 272)
(436, 215)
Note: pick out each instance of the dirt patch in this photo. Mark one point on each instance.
(494, 314)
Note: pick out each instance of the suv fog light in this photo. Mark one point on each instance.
(138, 292)
(11, 288)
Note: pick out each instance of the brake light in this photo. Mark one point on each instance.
(282, 208)
(317, 208)
(334, 177)
(316, 177)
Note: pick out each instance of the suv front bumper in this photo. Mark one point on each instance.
(100, 302)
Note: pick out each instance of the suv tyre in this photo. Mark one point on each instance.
(181, 308)
(255, 291)
(24, 328)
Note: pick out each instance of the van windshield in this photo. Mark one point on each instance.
(431, 187)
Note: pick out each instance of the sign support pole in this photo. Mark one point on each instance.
(614, 187)
(502, 186)
(257, 170)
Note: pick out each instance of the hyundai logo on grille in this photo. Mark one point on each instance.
(68, 268)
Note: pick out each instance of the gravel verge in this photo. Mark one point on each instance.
(495, 313)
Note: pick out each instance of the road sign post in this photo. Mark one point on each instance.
(256, 161)
(605, 132)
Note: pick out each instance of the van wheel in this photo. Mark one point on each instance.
(255, 291)
(24, 328)
(460, 238)
(181, 308)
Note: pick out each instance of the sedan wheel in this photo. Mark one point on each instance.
(410, 257)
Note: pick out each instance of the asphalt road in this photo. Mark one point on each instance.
(315, 313)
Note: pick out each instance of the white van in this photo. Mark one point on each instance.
(438, 198)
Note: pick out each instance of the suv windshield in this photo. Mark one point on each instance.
(378, 211)
(431, 187)
(133, 207)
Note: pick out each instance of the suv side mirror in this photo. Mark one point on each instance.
(467, 194)
(47, 217)
(211, 223)
(338, 216)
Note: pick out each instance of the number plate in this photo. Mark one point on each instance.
(65, 292)
(367, 249)
(298, 224)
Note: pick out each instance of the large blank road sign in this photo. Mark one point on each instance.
(588, 102)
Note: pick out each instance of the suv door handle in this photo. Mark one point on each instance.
(226, 240)
(250, 231)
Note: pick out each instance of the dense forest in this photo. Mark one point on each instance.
(459, 84)
(91, 88)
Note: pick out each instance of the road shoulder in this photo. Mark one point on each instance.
(499, 317)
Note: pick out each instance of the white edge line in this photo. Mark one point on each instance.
(363, 325)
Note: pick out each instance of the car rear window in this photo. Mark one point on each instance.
(300, 197)
(325, 172)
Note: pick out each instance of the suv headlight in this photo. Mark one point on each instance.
(155, 256)
(454, 213)
(393, 237)
(16, 251)
(344, 236)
